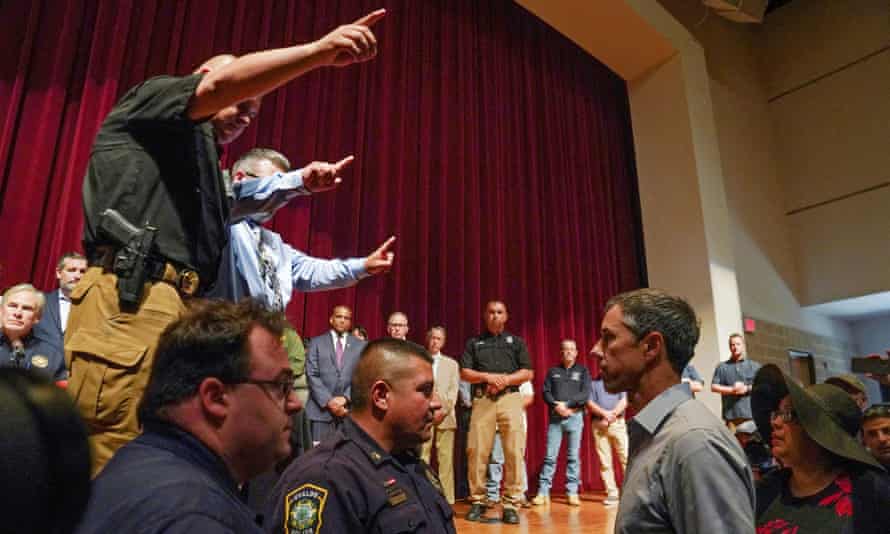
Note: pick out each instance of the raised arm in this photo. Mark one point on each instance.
(258, 73)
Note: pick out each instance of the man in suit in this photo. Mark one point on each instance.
(446, 375)
(330, 361)
(69, 271)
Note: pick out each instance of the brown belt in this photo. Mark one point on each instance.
(185, 280)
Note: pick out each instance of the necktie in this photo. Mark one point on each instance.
(339, 352)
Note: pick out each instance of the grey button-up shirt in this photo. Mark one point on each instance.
(686, 472)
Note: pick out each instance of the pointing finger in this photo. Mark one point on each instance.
(371, 18)
(342, 163)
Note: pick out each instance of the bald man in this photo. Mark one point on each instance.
(366, 476)
(155, 161)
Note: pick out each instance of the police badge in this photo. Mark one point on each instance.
(39, 361)
(303, 508)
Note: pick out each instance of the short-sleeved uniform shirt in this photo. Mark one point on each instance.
(154, 165)
(727, 374)
(501, 353)
(41, 356)
(348, 484)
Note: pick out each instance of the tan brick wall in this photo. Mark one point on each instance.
(771, 343)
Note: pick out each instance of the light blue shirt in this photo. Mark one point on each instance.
(240, 269)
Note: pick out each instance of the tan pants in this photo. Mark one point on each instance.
(444, 441)
(613, 435)
(503, 414)
(109, 353)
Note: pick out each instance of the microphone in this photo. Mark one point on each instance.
(18, 352)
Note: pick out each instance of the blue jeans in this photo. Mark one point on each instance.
(496, 471)
(572, 425)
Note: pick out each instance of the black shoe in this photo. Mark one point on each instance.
(510, 516)
(476, 512)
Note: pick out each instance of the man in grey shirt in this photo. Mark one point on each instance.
(686, 472)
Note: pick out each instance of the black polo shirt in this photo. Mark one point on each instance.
(153, 164)
(571, 386)
(348, 484)
(502, 353)
(41, 356)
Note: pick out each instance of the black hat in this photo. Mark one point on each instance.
(827, 413)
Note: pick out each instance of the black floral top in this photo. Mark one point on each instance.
(829, 511)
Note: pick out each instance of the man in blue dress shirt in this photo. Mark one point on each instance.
(258, 263)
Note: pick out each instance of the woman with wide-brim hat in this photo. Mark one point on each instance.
(829, 482)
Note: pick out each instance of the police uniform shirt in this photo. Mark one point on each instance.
(349, 485)
(154, 165)
(502, 353)
(41, 356)
(571, 386)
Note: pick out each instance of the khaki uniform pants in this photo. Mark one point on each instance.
(503, 414)
(615, 434)
(444, 440)
(109, 353)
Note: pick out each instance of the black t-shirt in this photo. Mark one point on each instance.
(154, 165)
(830, 510)
(502, 353)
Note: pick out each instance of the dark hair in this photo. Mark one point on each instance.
(652, 310)
(69, 256)
(209, 340)
(383, 359)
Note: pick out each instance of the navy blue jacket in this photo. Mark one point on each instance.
(166, 481)
(41, 356)
(571, 386)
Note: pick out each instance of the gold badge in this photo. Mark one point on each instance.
(40, 361)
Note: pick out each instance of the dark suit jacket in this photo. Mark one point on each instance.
(325, 379)
(49, 328)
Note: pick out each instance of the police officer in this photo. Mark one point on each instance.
(155, 161)
(496, 363)
(366, 476)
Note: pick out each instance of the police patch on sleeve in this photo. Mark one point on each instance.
(303, 508)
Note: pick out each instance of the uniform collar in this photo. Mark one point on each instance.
(661, 407)
(184, 445)
(26, 341)
(487, 335)
(366, 443)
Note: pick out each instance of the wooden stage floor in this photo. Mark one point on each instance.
(557, 518)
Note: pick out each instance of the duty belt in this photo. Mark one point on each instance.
(185, 280)
(479, 391)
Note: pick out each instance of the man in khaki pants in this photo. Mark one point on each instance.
(446, 375)
(496, 363)
(609, 429)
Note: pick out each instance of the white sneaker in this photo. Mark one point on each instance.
(611, 500)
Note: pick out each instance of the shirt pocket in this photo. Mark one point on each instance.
(401, 519)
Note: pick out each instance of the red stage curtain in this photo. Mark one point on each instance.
(497, 151)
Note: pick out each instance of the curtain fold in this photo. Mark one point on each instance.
(497, 151)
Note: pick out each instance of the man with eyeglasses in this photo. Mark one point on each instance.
(876, 432)
(397, 326)
(216, 412)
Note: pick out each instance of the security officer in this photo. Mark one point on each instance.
(155, 162)
(366, 476)
(496, 363)
(19, 347)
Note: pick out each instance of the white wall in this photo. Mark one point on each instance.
(826, 70)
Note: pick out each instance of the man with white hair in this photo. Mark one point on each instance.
(19, 347)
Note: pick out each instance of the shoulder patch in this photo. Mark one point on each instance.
(303, 508)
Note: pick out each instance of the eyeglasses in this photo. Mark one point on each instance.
(283, 387)
(787, 416)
